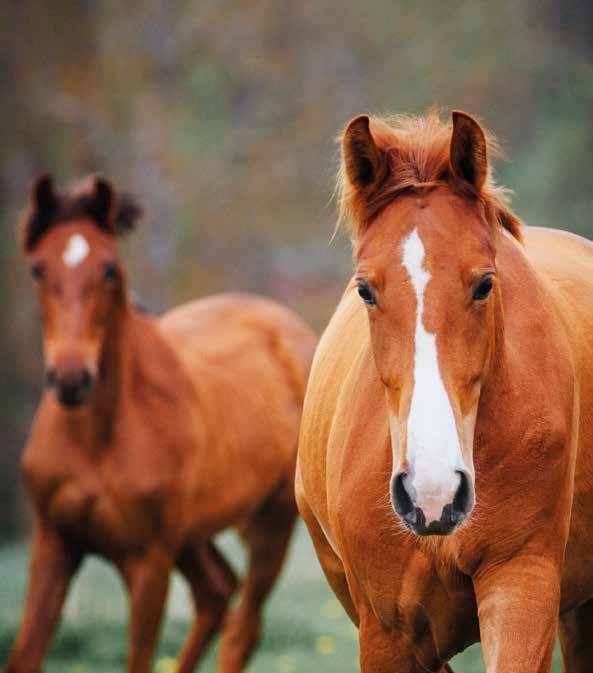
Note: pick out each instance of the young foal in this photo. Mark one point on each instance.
(446, 451)
(153, 435)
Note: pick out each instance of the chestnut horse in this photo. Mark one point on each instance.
(446, 449)
(153, 435)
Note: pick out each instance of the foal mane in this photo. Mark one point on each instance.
(93, 198)
(418, 154)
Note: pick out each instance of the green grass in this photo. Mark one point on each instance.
(306, 631)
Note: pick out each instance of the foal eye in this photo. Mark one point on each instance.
(366, 294)
(483, 288)
(37, 271)
(110, 272)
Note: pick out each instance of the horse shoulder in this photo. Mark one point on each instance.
(324, 414)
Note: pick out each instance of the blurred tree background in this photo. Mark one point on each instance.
(221, 116)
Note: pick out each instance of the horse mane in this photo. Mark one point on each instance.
(80, 203)
(417, 148)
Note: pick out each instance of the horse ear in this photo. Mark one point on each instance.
(365, 164)
(43, 205)
(469, 150)
(43, 196)
(101, 203)
(128, 212)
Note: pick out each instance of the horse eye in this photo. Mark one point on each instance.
(483, 288)
(366, 294)
(111, 272)
(37, 271)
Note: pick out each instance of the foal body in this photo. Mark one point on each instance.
(525, 554)
(191, 427)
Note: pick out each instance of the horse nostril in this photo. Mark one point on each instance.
(86, 379)
(72, 387)
(51, 377)
(463, 500)
(401, 498)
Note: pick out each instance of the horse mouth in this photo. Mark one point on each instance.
(449, 522)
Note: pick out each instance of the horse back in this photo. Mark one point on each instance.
(249, 361)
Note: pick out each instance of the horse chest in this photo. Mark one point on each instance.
(104, 512)
(435, 609)
(411, 589)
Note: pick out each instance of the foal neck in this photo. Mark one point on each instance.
(118, 363)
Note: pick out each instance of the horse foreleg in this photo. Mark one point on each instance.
(53, 563)
(267, 537)
(518, 603)
(382, 651)
(212, 583)
(147, 578)
(576, 639)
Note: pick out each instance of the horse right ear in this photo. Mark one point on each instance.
(365, 164)
(43, 204)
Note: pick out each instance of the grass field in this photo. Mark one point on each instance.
(306, 630)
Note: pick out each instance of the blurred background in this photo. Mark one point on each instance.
(221, 116)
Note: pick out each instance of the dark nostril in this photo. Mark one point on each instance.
(51, 377)
(401, 498)
(86, 379)
(462, 502)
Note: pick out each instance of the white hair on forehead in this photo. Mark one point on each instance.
(76, 250)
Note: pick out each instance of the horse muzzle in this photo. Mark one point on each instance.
(430, 514)
(72, 387)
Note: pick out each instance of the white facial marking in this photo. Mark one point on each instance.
(76, 250)
(394, 431)
(433, 449)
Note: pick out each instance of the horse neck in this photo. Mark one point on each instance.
(117, 368)
(518, 280)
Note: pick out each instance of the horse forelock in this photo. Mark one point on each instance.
(418, 152)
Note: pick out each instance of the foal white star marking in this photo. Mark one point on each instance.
(76, 250)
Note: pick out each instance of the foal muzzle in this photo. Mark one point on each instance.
(72, 388)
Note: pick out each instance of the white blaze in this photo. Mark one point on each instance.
(76, 250)
(433, 449)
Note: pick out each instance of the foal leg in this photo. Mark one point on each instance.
(212, 583)
(53, 564)
(576, 639)
(147, 578)
(267, 537)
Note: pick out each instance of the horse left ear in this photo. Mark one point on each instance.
(101, 203)
(469, 151)
(43, 204)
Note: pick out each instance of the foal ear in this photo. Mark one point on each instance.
(128, 212)
(469, 150)
(101, 202)
(43, 196)
(365, 164)
(43, 205)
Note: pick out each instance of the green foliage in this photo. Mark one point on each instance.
(305, 630)
(221, 116)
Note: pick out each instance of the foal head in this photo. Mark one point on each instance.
(425, 216)
(69, 241)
